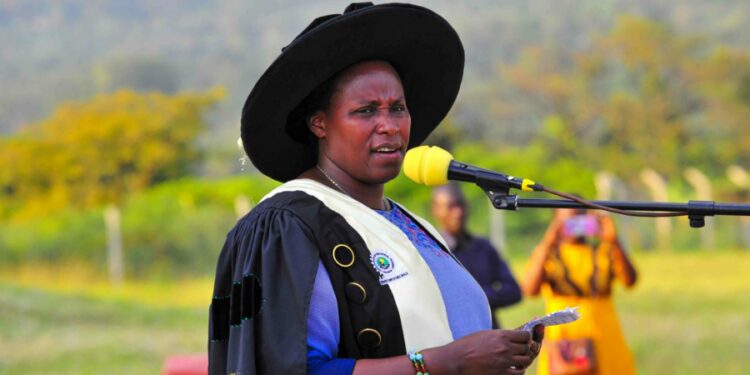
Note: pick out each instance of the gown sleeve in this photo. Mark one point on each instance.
(264, 281)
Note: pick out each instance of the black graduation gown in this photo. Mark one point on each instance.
(263, 286)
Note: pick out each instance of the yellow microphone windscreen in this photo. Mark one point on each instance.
(427, 165)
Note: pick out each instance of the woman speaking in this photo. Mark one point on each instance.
(326, 275)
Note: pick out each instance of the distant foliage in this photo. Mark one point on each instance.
(141, 74)
(173, 229)
(65, 236)
(641, 95)
(177, 228)
(97, 151)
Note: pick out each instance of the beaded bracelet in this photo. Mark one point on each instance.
(417, 360)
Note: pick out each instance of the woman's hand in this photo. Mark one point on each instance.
(537, 337)
(488, 352)
(485, 352)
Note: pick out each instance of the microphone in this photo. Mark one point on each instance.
(432, 166)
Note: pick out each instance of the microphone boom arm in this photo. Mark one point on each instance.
(431, 165)
(695, 210)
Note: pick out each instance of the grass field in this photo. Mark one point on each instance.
(690, 314)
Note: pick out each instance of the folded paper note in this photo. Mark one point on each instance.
(567, 315)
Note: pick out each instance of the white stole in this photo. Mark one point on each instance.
(420, 304)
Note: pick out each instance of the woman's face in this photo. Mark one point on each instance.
(365, 132)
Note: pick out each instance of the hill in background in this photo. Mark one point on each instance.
(72, 49)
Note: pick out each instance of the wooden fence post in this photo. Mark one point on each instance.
(242, 205)
(740, 177)
(114, 245)
(702, 186)
(609, 187)
(658, 187)
(498, 234)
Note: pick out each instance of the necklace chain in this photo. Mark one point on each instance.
(386, 204)
(331, 179)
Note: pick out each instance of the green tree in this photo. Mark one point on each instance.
(97, 151)
(639, 96)
(723, 81)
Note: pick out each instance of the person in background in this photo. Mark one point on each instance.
(481, 259)
(576, 264)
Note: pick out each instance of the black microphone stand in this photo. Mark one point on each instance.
(696, 211)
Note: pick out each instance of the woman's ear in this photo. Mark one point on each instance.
(316, 124)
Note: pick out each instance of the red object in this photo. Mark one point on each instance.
(192, 364)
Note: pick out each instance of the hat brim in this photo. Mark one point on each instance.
(423, 48)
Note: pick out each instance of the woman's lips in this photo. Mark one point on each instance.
(387, 153)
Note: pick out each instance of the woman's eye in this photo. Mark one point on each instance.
(366, 110)
(398, 108)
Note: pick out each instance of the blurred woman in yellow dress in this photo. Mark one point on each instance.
(576, 264)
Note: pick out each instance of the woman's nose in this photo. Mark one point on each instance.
(389, 123)
(388, 126)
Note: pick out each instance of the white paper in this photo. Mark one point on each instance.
(567, 315)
